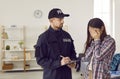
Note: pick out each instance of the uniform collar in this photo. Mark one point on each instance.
(52, 30)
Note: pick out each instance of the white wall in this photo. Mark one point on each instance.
(20, 13)
(0, 45)
(117, 25)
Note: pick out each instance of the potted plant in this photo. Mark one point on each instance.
(21, 44)
(7, 47)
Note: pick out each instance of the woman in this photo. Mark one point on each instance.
(99, 50)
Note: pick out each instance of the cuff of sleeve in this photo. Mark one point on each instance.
(58, 63)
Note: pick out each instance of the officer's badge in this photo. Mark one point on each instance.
(66, 40)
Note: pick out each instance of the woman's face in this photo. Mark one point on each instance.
(95, 31)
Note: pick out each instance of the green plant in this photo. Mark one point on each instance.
(21, 43)
(7, 47)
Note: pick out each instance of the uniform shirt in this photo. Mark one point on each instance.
(50, 46)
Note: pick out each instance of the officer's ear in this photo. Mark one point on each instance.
(51, 21)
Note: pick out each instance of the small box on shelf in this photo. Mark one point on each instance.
(27, 66)
(7, 66)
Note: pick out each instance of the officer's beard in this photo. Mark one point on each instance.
(59, 27)
(55, 27)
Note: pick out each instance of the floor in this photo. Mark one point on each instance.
(30, 75)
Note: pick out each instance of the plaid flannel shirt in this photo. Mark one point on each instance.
(102, 55)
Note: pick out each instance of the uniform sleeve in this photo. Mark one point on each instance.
(42, 58)
(73, 53)
(102, 50)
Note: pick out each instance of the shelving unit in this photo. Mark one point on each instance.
(15, 56)
(30, 61)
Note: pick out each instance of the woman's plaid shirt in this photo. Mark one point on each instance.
(102, 55)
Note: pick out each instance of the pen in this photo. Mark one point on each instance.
(61, 56)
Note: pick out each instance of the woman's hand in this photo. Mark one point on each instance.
(96, 34)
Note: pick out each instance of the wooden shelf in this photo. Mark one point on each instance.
(14, 69)
(17, 56)
(12, 59)
(18, 50)
(34, 68)
(31, 59)
(12, 39)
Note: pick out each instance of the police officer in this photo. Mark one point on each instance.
(54, 49)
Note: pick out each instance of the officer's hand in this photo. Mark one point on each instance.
(65, 60)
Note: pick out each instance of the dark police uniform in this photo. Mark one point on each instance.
(50, 45)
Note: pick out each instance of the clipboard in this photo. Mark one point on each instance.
(73, 61)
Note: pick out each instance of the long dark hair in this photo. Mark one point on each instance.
(95, 23)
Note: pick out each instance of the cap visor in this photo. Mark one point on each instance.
(66, 15)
